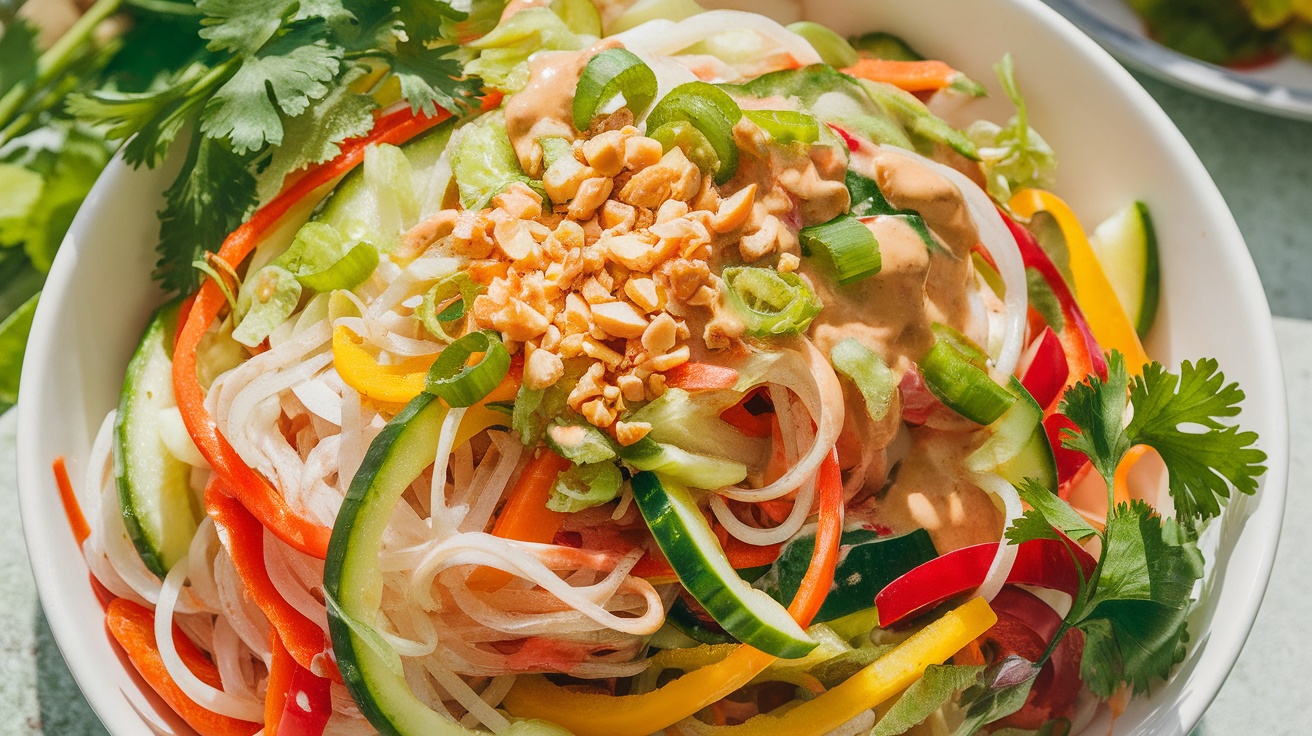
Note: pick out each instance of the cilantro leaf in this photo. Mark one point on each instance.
(286, 74)
(1098, 409)
(18, 54)
(208, 200)
(13, 342)
(1135, 620)
(242, 26)
(20, 191)
(428, 78)
(1048, 514)
(313, 136)
(1203, 465)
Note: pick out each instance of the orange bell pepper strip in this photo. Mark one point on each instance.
(911, 76)
(242, 537)
(253, 490)
(596, 714)
(525, 517)
(1093, 290)
(133, 627)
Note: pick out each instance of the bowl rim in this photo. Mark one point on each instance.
(106, 698)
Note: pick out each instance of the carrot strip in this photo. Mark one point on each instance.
(525, 517)
(243, 538)
(77, 522)
(133, 627)
(912, 76)
(281, 668)
(252, 489)
(701, 377)
(819, 577)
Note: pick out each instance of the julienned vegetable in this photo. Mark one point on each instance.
(569, 415)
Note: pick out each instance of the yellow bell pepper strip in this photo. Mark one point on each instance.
(393, 384)
(599, 714)
(880, 680)
(1102, 308)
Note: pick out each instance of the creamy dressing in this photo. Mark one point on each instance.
(545, 107)
(929, 491)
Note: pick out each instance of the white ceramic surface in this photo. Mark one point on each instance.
(1113, 142)
(1283, 88)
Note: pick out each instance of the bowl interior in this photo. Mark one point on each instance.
(1113, 142)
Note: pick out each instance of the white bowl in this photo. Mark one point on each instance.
(1113, 142)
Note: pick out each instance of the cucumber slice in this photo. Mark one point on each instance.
(1016, 446)
(688, 468)
(160, 510)
(683, 534)
(359, 211)
(1126, 246)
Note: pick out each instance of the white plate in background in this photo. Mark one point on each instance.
(1282, 88)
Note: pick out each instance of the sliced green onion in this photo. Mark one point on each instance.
(834, 50)
(770, 303)
(458, 384)
(682, 135)
(786, 126)
(963, 386)
(206, 268)
(580, 443)
(868, 372)
(266, 300)
(584, 486)
(848, 244)
(444, 294)
(608, 74)
(347, 273)
(712, 112)
(964, 345)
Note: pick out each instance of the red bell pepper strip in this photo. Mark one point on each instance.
(243, 537)
(1046, 372)
(1042, 562)
(701, 377)
(133, 627)
(655, 568)
(819, 577)
(299, 703)
(253, 490)
(752, 425)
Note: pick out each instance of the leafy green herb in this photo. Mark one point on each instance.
(1047, 514)
(1179, 417)
(274, 72)
(998, 692)
(926, 695)
(1014, 156)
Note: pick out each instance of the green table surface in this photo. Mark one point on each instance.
(1263, 166)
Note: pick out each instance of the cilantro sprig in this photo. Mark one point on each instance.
(279, 85)
(1132, 608)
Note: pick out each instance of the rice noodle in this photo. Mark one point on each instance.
(1000, 568)
(288, 585)
(443, 524)
(488, 493)
(218, 701)
(232, 660)
(1000, 244)
(460, 691)
(812, 378)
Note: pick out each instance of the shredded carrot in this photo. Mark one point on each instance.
(819, 577)
(525, 517)
(133, 627)
(701, 377)
(77, 522)
(253, 490)
(912, 76)
(281, 668)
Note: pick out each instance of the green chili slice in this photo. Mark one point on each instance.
(608, 74)
(712, 112)
(786, 126)
(770, 303)
(441, 311)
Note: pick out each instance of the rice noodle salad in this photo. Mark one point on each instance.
(702, 375)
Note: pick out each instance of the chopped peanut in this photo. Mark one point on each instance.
(788, 262)
(641, 152)
(666, 361)
(629, 432)
(660, 334)
(762, 242)
(733, 212)
(619, 319)
(598, 413)
(631, 387)
(542, 369)
(644, 294)
(618, 217)
(674, 177)
(519, 201)
(605, 153)
(592, 193)
(562, 180)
